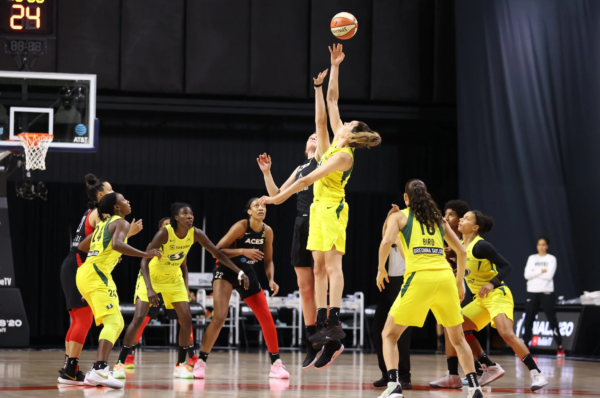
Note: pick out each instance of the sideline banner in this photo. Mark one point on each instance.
(14, 328)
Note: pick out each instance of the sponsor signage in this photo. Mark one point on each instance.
(542, 336)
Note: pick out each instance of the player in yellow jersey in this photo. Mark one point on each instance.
(493, 301)
(168, 276)
(428, 282)
(94, 280)
(329, 211)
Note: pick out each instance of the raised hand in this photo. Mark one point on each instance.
(264, 162)
(135, 227)
(337, 55)
(319, 79)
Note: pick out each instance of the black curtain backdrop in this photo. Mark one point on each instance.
(528, 122)
(210, 163)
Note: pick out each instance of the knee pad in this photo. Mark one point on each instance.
(113, 326)
(469, 336)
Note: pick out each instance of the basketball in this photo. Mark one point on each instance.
(344, 25)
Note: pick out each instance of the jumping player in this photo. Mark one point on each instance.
(79, 311)
(493, 302)
(428, 284)
(94, 280)
(252, 242)
(168, 275)
(329, 211)
(301, 258)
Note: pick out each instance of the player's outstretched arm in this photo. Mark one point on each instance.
(394, 222)
(264, 162)
(333, 92)
(323, 142)
(341, 161)
(120, 229)
(200, 237)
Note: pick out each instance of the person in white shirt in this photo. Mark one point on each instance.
(539, 273)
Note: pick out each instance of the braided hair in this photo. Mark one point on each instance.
(421, 203)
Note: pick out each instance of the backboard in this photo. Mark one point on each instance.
(60, 104)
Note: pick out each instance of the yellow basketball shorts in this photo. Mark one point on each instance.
(99, 291)
(172, 289)
(425, 290)
(328, 221)
(483, 311)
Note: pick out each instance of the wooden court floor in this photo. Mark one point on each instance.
(237, 374)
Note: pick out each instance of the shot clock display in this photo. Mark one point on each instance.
(26, 18)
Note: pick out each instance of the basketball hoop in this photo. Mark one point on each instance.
(36, 146)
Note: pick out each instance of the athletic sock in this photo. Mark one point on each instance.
(124, 352)
(530, 363)
(393, 376)
(99, 365)
(133, 347)
(190, 351)
(182, 354)
(472, 379)
(334, 316)
(66, 360)
(452, 365)
(203, 356)
(71, 367)
(485, 360)
(478, 368)
(274, 357)
(321, 315)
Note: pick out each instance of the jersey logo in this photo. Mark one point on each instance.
(255, 241)
(110, 307)
(176, 256)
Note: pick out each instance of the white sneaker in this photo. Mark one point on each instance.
(448, 381)
(102, 377)
(182, 372)
(538, 380)
(490, 374)
(394, 390)
(475, 392)
(119, 371)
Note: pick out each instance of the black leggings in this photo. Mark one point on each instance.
(386, 300)
(532, 306)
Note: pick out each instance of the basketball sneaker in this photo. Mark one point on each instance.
(475, 392)
(312, 354)
(328, 333)
(192, 361)
(102, 377)
(182, 372)
(448, 381)
(119, 371)
(538, 380)
(130, 362)
(330, 352)
(278, 371)
(381, 382)
(75, 380)
(490, 374)
(394, 390)
(560, 352)
(199, 369)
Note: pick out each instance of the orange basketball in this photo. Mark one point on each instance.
(344, 25)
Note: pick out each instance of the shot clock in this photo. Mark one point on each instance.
(27, 18)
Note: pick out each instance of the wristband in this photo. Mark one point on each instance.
(318, 85)
(240, 275)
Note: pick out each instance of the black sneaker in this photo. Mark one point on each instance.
(381, 382)
(394, 390)
(76, 380)
(328, 333)
(312, 354)
(406, 384)
(330, 352)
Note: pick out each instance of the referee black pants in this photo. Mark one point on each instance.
(532, 306)
(386, 300)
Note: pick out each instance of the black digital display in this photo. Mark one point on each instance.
(26, 17)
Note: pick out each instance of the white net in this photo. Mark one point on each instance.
(36, 147)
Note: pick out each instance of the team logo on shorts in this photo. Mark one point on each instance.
(176, 256)
(110, 307)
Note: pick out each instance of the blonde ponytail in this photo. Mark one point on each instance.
(363, 137)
